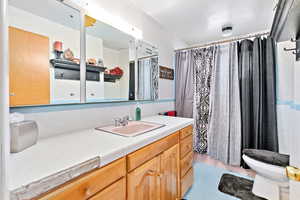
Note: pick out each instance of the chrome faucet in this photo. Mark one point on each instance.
(121, 121)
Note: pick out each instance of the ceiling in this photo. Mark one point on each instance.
(199, 21)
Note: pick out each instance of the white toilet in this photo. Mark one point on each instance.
(270, 181)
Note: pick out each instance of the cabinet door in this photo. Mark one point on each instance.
(28, 68)
(144, 181)
(116, 191)
(170, 174)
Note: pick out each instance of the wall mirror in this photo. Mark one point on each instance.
(44, 42)
(111, 52)
(147, 71)
(44, 62)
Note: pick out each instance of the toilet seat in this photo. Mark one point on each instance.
(268, 157)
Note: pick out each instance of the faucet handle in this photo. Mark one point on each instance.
(125, 120)
(117, 121)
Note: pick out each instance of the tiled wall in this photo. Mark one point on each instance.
(56, 120)
(288, 98)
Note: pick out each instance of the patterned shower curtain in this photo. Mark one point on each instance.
(204, 60)
(154, 78)
(224, 130)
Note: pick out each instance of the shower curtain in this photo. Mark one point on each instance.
(148, 78)
(144, 79)
(154, 78)
(258, 94)
(224, 131)
(234, 97)
(184, 92)
(203, 62)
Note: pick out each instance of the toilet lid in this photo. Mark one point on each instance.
(269, 157)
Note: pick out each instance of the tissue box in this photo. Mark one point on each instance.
(23, 135)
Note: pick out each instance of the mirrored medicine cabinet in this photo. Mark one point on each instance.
(47, 58)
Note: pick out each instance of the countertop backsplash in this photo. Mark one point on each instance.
(52, 123)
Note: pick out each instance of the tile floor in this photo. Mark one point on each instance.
(207, 175)
(203, 158)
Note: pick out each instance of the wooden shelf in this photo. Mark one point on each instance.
(66, 64)
(111, 78)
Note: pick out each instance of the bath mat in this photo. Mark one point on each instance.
(206, 181)
(238, 187)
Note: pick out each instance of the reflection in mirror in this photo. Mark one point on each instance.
(111, 50)
(44, 45)
(147, 71)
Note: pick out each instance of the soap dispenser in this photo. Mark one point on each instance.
(137, 112)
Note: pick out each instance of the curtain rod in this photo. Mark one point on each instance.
(226, 41)
(145, 57)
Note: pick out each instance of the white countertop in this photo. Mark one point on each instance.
(52, 155)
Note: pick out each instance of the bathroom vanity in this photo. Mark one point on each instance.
(153, 165)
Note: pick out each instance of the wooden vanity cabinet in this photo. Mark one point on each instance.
(116, 191)
(91, 183)
(144, 182)
(186, 160)
(159, 171)
(157, 178)
(170, 174)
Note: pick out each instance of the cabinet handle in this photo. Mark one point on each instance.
(151, 173)
(92, 94)
(12, 94)
(88, 192)
(154, 173)
(188, 146)
(72, 94)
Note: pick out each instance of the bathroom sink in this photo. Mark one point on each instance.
(133, 128)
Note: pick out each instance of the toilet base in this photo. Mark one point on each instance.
(269, 189)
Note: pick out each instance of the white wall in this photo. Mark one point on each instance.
(288, 94)
(113, 58)
(124, 81)
(110, 57)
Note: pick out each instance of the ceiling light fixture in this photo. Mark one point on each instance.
(227, 30)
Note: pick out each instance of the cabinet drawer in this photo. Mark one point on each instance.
(140, 156)
(186, 163)
(187, 182)
(94, 90)
(186, 131)
(116, 191)
(65, 91)
(89, 184)
(186, 146)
